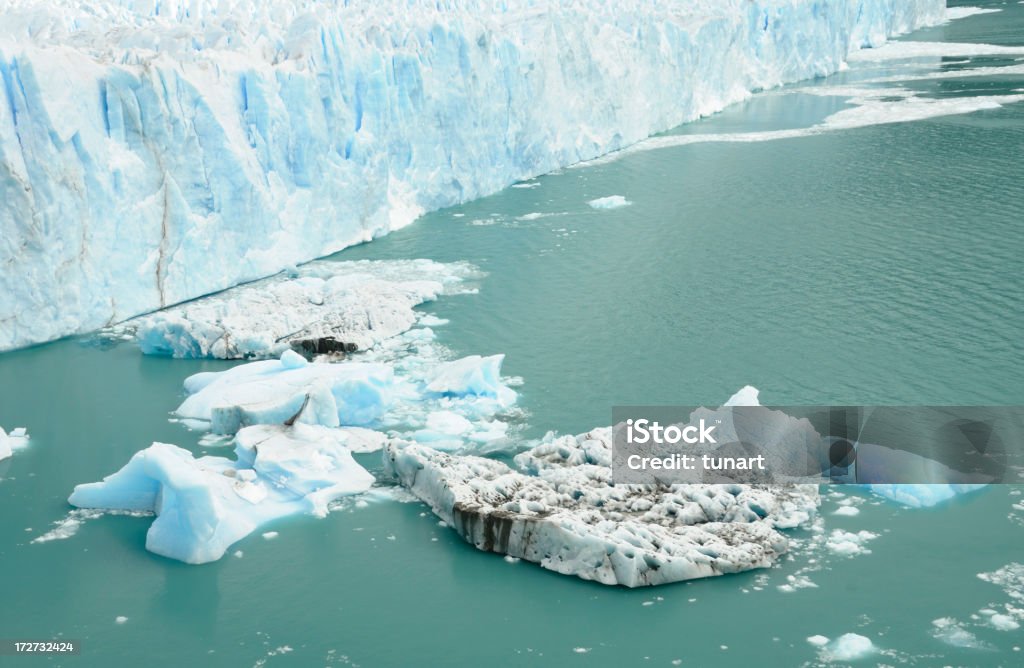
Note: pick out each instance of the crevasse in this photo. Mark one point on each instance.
(152, 151)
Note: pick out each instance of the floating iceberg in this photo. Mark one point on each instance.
(610, 202)
(154, 152)
(288, 389)
(569, 518)
(451, 404)
(921, 496)
(16, 440)
(360, 303)
(205, 505)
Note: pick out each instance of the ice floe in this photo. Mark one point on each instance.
(908, 49)
(359, 303)
(564, 514)
(957, 13)
(610, 202)
(848, 543)
(276, 391)
(921, 496)
(204, 505)
(448, 403)
(9, 443)
(847, 647)
(955, 633)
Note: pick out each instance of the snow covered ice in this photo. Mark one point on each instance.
(921, 496)
(151, 153)
(206, 504)
(9, 443)
(569, 519)
(361, 302)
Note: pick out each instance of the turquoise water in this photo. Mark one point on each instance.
(873, 265)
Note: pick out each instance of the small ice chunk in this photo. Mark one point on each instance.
(847, 511)
(1003, 622)
(818, 641)
(849, 543)
(270, 535)
(610, 202)
(850, 647)
(120, 619)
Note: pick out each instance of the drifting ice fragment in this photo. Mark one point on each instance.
(357, 303)
(611, 202)
(205, 505)
(569, 519)
(16, 440)
(275, 391)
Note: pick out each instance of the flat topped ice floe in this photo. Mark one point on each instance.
(569, 518)
(206, 504)
(154, 152)
(359, 303)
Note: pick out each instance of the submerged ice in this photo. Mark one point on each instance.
(151, 153)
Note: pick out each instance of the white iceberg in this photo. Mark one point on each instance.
(9, 443)
(610, 202)
(204, 505)
(921, 495)
(473, 376)
(849, 647)
(359, 303)
(569, 518)
(276, 391)
(154, 152)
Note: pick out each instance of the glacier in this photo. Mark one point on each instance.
(155, 152)
(561, 511)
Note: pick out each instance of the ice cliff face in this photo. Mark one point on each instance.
(152, 152)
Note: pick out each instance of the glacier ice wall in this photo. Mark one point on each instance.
(152, 151)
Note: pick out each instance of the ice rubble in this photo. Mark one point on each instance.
(151, 152)
(16, 440)
(447, 402)
(275, 391)
(361, 302)
(569, 519)
(206, 504)
(294, 425)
